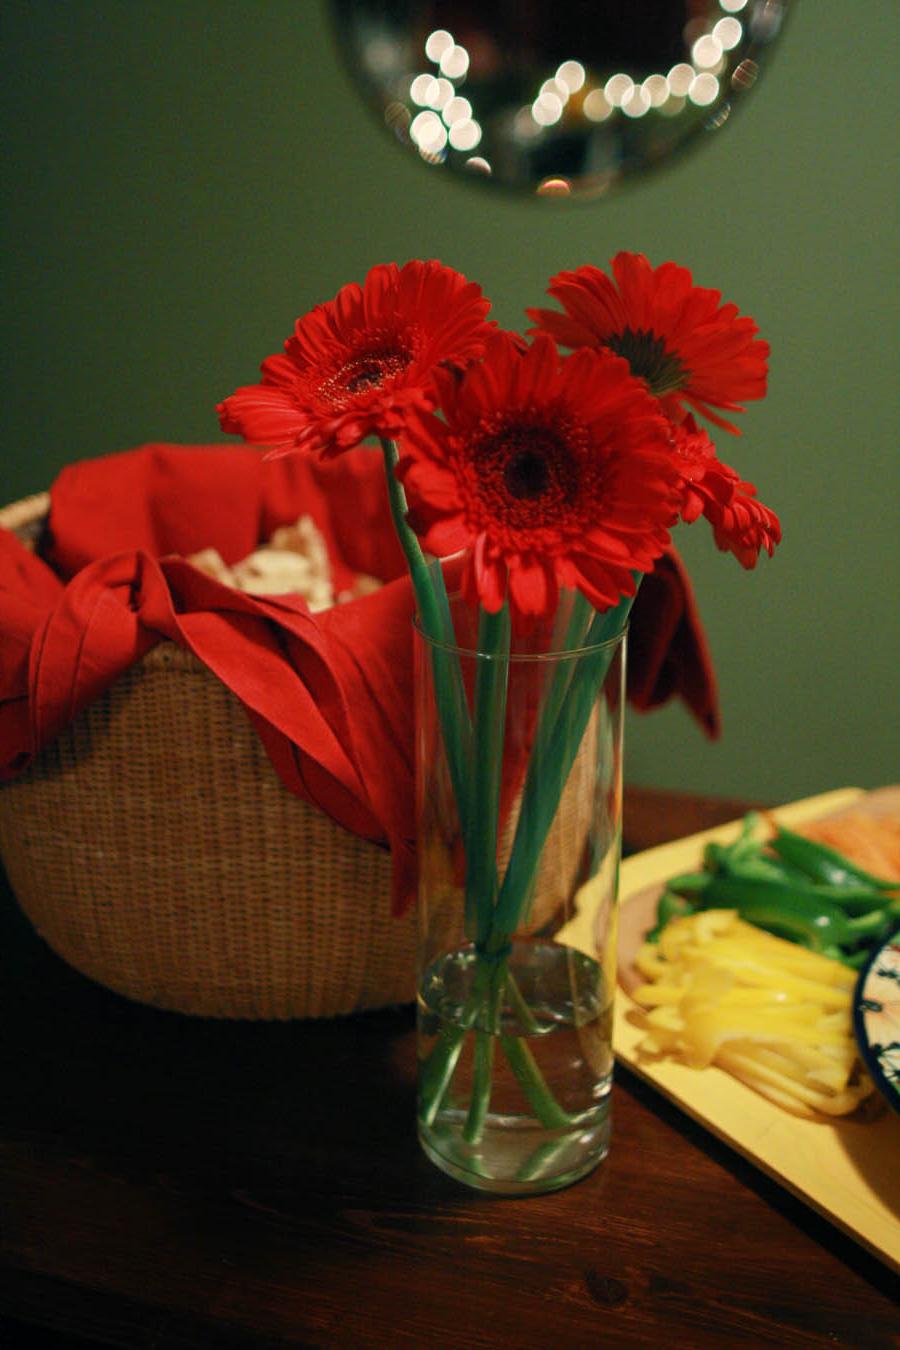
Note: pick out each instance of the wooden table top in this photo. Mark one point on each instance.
(169, 1182)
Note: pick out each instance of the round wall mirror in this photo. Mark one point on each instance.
(556, 97)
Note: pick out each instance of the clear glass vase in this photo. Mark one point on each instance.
(519, 754)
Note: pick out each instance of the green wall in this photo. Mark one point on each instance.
(184, 177)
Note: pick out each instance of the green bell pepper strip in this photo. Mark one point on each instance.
(780, 910)
(854, 959)
(689, 883)
(670, 906)
(750, 865)
(809, 919)
(748, 861)
(853, 900)
(746, 845)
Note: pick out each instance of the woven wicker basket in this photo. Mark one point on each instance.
(155, 849)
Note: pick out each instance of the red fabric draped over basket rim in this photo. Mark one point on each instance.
(330, 693)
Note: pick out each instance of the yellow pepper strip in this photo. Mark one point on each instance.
(706, 1033)
(700, 932)
(650, 995)
(778, 1017)
(815, 1070)
(758, 973)
(744, 996)
(648, 961)
(792, 1095)
(793, 962)
(655, 1043)
(668, 1018)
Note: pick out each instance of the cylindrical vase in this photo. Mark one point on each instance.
(519, 773)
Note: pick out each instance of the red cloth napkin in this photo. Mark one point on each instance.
(330, 693)
(668, 655)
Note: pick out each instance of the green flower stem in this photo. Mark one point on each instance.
(531, 1080)
(540, 1162)
(489, 722)
(492, 978)
(541, 799)
(520, 1007)
(573, 639)
(557, 740)
(449, 661)
(437, 1071)
(423, 578)
(482, 1083)
(434, 616)
(573, 636)
(483, 1061)
(524, 1065)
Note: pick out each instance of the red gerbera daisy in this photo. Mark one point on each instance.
(356, 365)
(688, 347)
(741, 524)
(550, 472)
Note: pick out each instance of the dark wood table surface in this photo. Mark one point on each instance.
(173, 1182)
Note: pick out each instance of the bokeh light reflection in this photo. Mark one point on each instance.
(572, 75)
(706, 52)
(454, 62)
(656, 89)
(465, 135)
(704, 90)
(422, 90)
(558, 97)
(547, 109)
(441, 93)
(456, 109)
(596, 106)
(428, 132)
(437, 43)
(680, 79)
(555, 187)
(637, 103)
(618, 88)
(728, 33)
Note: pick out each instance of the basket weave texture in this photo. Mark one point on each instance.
(155, 849)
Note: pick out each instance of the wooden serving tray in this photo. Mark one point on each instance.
(847, 1170)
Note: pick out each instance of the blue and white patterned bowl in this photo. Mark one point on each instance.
(876, 1018)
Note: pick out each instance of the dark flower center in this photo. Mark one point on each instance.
(527, 474)
(649, 358)
(524, 474)
(364, 371)
(364, 376)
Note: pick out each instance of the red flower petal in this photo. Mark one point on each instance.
(741, 524)
(264, 413)
(692, 351)
(356, 366)
(489, 575)
(563, 474)
(533, 587)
